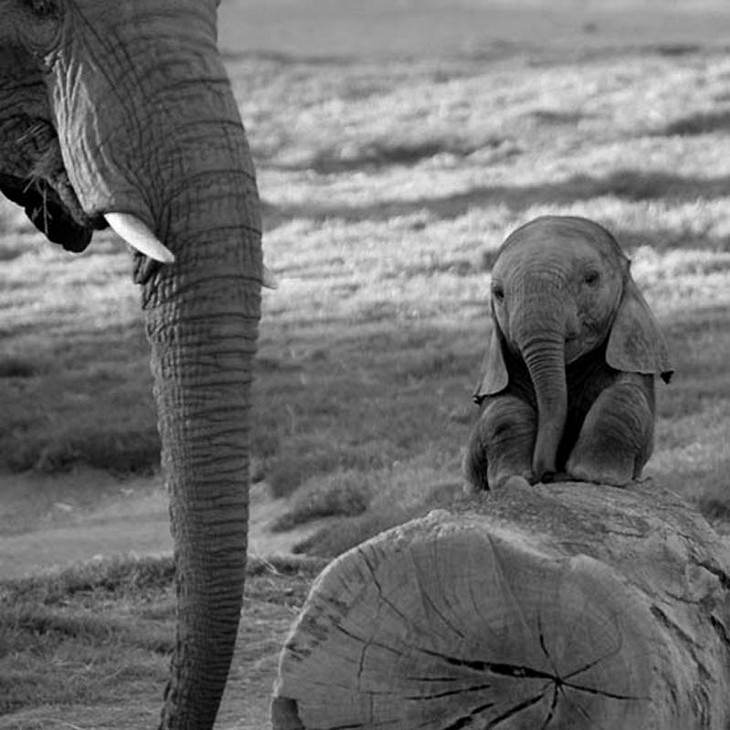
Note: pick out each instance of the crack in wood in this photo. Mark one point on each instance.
(720, 574)
(449, 693)
(553, 679)
(507, 670)
(428, 601)
(466, 720)
(583, 713)
(435, 679)
(672, 626)
(406, 620)
(557, 688)
(462, 722)
(596, 661)
(503, 572)
(721, 631)
(561, 682)
(514, 710)
(553, 705)
(368, 642)
(541, 636)
(682, 599)
(602, 692)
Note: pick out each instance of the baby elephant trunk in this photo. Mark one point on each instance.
(544, 355)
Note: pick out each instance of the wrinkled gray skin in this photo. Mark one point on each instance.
(568, 379)
(125, 106)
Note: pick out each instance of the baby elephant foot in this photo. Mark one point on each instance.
(617, 475)
(516, 483)
(481, 475)
(500, 445)
(510, 479)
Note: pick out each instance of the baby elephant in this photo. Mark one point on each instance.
(568, 379)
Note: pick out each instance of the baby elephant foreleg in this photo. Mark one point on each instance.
(617, 436)
(501, 444)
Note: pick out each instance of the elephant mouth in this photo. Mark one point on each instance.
(586, 340)
(576, 346)
(40, 184)
(59, 222)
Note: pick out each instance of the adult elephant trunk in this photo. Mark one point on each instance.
(201, 316)
(541, 341)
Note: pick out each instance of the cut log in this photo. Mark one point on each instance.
(555, 606)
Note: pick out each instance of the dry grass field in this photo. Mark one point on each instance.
(391, 165)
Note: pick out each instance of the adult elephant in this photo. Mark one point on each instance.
(122, 113)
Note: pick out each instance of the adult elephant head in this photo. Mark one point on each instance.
(122, 112)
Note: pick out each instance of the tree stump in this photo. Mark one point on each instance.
(566, 605)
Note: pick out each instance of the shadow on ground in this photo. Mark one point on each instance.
(624, 184)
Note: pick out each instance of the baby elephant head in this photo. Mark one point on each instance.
(561, 289)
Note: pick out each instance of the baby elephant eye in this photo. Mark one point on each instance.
(498, 292)
(591, 277)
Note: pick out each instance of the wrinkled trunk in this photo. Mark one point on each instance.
(540, 335)
(202, 317)
(545, 361)
(202, 324)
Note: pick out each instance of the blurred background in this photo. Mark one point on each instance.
(397, 143)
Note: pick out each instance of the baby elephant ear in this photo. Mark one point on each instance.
(493, 378)
(636, 344)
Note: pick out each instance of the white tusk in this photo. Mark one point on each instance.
(139, 236)
(269, 280)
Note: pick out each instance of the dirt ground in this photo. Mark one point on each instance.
(52, 521)
(48, 523)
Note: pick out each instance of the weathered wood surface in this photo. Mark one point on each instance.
(555, 606)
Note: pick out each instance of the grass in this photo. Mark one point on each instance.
(90, 636)
(387, 189)
(73, 349)
(384, 267)
(403, 492)
(343, 492)
(62, 636)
